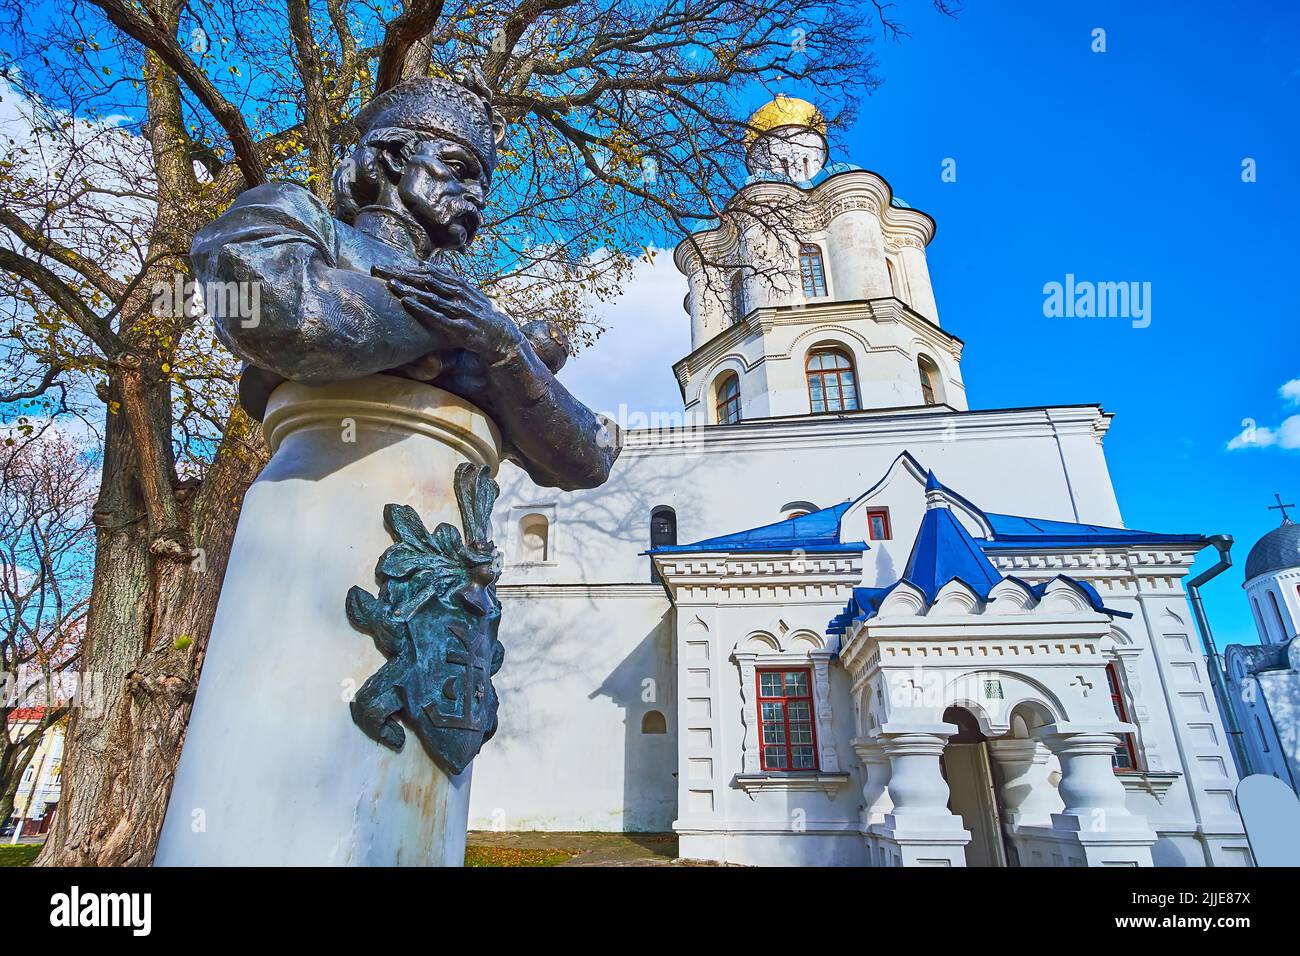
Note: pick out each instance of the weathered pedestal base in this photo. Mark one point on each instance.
(274, 770)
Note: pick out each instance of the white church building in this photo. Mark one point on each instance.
(841, 617)
(1264, 679)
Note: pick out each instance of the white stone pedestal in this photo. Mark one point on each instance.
(919, 830)
(1095, 826)
(274, 771)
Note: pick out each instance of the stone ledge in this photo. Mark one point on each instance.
(1156, 783)
(830, 783)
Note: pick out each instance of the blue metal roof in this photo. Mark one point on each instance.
(817, 531)
(944, 551)
(1014, 531)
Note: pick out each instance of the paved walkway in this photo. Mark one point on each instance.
(589, 849)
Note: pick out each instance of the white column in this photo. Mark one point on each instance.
(856, 254)
(920, 830)
(1088, 786)
(1095, 816)
(274, 771)
(1027, 795)
(876, 801)
(921, 294)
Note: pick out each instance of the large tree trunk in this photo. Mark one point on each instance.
(161, 552)
(150, 616)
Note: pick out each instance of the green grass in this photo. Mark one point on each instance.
(19, 854)
(514, 856)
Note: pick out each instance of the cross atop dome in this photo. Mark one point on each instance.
(1281, 507)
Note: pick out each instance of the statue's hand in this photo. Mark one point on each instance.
(459, 314)
(442, 282)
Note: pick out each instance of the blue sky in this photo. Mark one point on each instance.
(1116, 166)
(1123, 165)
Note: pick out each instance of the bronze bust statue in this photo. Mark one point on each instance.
(365, 290)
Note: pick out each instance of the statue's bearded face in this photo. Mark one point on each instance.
(444, 186)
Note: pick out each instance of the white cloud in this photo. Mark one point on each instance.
(630, 365)
(1286, 435)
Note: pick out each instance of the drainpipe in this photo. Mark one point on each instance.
(1223, 544)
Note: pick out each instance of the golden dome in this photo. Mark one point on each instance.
(785, 111)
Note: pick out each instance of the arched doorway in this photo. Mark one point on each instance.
(973, 791)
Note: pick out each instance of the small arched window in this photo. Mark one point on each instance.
(534, 539)
(1277, 613)
(738, 304)
(663, 526)
(728, 399)
(893, 286)
(929, 380)
(832, 385)
(812, 270)
(654, 722)
(663, 530)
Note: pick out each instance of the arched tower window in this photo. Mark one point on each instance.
(534, 539)
(812, 270)
(893, 286)
(1277, 613)
(728, 399)
(663, 530)
(929, 373)
(832, 385)
(738, 305)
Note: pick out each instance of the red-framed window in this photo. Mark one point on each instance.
(878, 524)
(787, 735)
(1125, 759)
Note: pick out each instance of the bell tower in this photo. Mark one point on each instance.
(833, 316)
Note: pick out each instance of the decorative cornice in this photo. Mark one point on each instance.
(760, 577)
(585, 591)
(887, 309)
(871, 428)
(851, 190)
